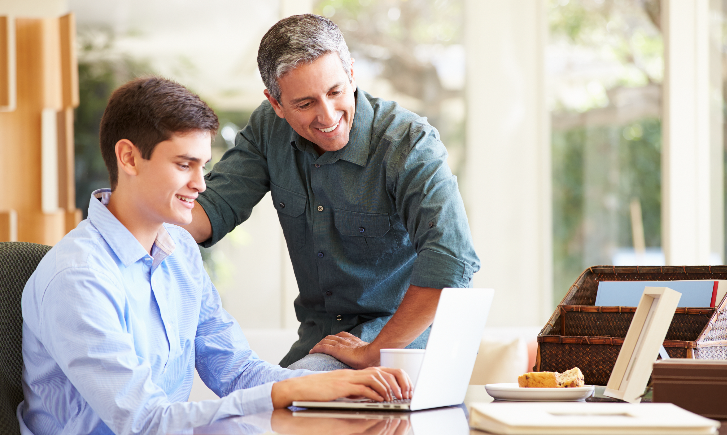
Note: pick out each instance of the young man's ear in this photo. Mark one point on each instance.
(127, 155)
(273, 102)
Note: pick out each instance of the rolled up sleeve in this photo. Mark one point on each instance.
(237, 182)
(428, 200)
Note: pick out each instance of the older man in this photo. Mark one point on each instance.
(371, 213)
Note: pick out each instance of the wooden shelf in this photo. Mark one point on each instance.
(38, 91)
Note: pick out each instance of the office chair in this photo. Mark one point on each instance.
(18, 260)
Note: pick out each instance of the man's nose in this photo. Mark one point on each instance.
(327, 114)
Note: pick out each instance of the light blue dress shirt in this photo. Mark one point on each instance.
(112, 336)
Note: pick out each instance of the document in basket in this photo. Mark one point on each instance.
(697, 293)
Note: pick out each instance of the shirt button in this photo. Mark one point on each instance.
(361, 229)
(320, 208)
(317, 165)
(328, 293)
(320, 254)
(282, 205)
(338, 317)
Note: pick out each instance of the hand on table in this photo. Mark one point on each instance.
(376, 383)
(348, 349)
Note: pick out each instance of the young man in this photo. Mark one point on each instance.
(371, 213)
(120, 312)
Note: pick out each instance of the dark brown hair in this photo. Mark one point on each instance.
(147, 111)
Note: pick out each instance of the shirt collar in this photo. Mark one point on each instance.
(119, 238)
(359, 140)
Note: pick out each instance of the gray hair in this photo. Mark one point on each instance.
(298, 39)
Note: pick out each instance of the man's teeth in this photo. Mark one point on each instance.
(328, 130)
(185, 199)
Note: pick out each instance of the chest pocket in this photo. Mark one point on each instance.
(291, 212)
(364, 225)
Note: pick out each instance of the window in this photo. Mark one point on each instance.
(605, 65)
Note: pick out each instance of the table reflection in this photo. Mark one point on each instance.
(451, 420)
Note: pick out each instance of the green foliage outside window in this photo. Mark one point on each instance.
(606, 130)
(101, 69)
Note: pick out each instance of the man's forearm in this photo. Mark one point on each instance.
(200, 227)
(414, 315)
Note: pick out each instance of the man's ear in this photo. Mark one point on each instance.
(353, 77)
(127, 155)
(273, 102)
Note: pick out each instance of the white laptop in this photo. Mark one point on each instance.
(448, 361)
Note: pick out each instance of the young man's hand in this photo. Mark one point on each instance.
(376, 383)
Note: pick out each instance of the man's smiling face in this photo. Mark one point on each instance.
(318, 102)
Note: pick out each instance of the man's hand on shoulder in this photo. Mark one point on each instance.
(375, 383)
(348, 349)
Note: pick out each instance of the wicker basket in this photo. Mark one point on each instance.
(582, 335)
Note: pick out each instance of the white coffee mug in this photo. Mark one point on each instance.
(409, 360)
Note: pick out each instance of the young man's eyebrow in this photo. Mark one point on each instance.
(298, 100)
(192, 159)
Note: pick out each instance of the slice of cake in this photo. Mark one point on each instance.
(538, 380)
(572, 378)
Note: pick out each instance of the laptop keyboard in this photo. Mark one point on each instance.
(389, 402)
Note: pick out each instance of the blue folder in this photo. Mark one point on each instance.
(628, 293)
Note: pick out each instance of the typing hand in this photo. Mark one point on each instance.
(375, 383)
(348, 349)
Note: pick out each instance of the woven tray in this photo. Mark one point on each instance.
(579, 334)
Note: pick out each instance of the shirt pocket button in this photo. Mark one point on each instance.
(291, 213)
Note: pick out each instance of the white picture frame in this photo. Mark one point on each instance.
(641, 346)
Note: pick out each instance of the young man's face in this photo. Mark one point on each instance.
(170, 181)
(317, 100)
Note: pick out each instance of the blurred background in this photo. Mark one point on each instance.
(553, 113)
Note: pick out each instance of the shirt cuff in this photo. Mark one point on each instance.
(215, 215)
(257, 399)
(437, 270)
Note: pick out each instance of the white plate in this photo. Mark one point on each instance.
(514, 392)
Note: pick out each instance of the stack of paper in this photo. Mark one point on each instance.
(588, 418)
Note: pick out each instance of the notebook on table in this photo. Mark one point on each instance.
(449, 358)
(563, 418)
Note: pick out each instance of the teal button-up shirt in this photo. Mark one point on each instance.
(361, 223)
